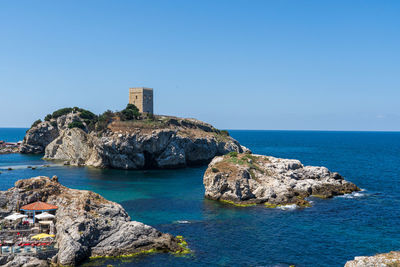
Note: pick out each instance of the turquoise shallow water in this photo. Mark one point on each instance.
(327, 234)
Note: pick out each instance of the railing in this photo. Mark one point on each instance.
(42, 251)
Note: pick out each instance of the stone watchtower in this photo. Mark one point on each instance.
(142, 98)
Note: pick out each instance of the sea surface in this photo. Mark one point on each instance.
(327, 234)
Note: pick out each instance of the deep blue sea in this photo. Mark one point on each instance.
(327, 234)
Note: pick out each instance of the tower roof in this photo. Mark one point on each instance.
(140, 88)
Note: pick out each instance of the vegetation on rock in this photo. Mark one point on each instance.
(76, 124)
(244, 179)
(48, 117)
(35, 123)
(60, 112)
(131, 112)
(115, 139)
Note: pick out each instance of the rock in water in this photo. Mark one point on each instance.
(86, 223)
(254, 179)
(165, 142)
(390, 259)
(38, 137)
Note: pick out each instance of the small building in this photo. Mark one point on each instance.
(142, 98)
(10, 144)
(36, 208)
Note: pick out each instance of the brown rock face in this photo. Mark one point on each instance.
(254, 179)
(86, 223)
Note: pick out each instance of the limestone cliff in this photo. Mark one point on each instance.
(157, 142)
(254, 179)
(87, 224)
(391, 259)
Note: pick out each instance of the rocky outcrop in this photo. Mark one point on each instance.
(163, 142)
(39, 136)
(254, 179)
(87, 225)
(22, 261)
(9, 150)
(381, 260)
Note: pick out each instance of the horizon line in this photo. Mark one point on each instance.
(276, 130)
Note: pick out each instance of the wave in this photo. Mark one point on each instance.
(354, 194)
(182, 222)
(288, 207)
(31, 166)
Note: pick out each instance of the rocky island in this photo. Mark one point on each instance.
(126, 140)
(9, 147)
(87, 225)
(391, 259)
(246, 179)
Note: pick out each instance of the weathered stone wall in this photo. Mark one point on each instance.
(142, 98)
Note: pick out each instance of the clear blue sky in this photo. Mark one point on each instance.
(311, 65)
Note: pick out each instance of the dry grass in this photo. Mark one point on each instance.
(233, 162)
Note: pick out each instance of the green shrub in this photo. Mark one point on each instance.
(36, 123)
(53, 123)
(86, 114)
(127, 115)
(131, 112)
(233, 154)
(76, 124)
(60, 112)
(48, 117)
(214, 170)
(224, 132)
(132, 106)
(103, 120)
(106, 116)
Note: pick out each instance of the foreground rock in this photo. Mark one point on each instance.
(162, 142)
(87, 225)
(8, 150)
(253, 179)
(388, 259)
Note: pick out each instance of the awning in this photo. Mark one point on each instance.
(43, 235)
(46, 222)
(15, 216)
(45, 215)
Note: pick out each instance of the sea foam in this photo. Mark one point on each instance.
(288, 207)
(354, 194)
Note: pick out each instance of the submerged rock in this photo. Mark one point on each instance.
(246, 179)
(164, 142)
(87, 225)
(391, 259)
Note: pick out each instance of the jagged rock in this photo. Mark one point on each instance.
(381, 260)
(22, 261)
(9, 150)
(168, 142)
(39, 136)
(86, 223)
(254, 179)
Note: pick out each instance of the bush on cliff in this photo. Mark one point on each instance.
(36, 123)
(87, 115)
(131, 112)
(224, 132)
(60, 112)
(103, 120)
(76, 124)
(48, 117)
